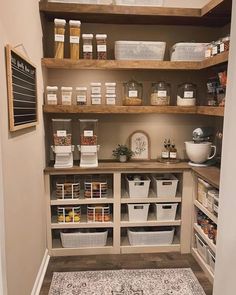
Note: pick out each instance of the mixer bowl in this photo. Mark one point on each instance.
(200, 152)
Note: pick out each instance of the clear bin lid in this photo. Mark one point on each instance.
(66, 88)
(101, 36)
(81, 88)
(52, 88)
(110, 84)
(87, 36)
(75, 23)
(58, 21)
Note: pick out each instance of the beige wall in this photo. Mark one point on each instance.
(22, 157)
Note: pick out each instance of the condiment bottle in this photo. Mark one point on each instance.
(173, 151)
(74, 39)
(59, 37)
(87, 46)
(165, 151)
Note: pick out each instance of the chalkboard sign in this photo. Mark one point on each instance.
(22, 90)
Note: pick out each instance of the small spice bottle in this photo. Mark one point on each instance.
(66, 95)
(51, 95)
(74, 39)
(59, 37)
(81, 95)
(87, 46)
(101, 46)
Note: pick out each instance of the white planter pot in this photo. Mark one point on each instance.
(123, 158)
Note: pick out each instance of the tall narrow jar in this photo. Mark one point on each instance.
(59, 37)
(74, 39)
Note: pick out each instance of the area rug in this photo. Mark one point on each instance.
(180, 281)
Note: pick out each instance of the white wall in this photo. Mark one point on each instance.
(225, 278)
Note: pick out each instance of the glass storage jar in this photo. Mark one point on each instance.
(186, 94)
(59, 37)
(101, 46)
(66, 95)
(87, 46)
(88, 132)
(74, 39)
(160, 93)
(51, 95)
(81, 95)
(61, 132)
(133, 93)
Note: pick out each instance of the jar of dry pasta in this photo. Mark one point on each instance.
(74, 39)
(101, 46)
(87, 46)
(59, 37)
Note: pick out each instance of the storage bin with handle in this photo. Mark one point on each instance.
(188, 51)
(166, 211)
(138, 188)
(165, 185)
(138, 212)
(202, 248)
(202, 189)
(212, 260)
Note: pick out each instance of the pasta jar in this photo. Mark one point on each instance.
(87, 46)
(160, 94)
(66, 95)
(81, 95)
(186, 94)
(59, 37)
(51, 95)
(133, 92)
(74, 39)
(101, 46)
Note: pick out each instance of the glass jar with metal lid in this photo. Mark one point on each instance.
(160, 93)
(133, 93)
(187, 94)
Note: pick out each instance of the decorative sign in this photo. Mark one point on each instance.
(140, 145)
(22, 90)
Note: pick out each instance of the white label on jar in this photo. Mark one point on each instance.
(87, 48)
(96, 90)
(59, 38)
(66, 97)
(74, 39)
(111, 91)
(161, 93)
(165, 155)
(173, 155)
(188, 94)
(96, 100)
(101, 48)
(81, 98)
(51, 97)
(133, 93)
(111, 100)
(207, 53)
(222, 47)
(88, 133)
(61, 133)
(214, 50)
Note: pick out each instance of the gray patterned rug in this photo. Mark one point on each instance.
(178, 281)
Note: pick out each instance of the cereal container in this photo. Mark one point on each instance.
(88, 132)
(59, 37)
(62, 132)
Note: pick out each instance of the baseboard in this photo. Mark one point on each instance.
(41, 273)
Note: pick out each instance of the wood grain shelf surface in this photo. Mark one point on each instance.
(209, 174)
(93, 64)
(205, 211)
(215, 13)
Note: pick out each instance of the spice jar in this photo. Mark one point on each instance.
(186, 94)
(51, 95)
(66, 95)
(133, 92)
(160, 94)
(74, 39)
(59, 37)
(101, 46)
(87, 46)
(224, 46)
(81, 95)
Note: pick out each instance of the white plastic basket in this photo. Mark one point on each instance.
(138, 188)
(212, 260)
(98, 214)
(83, 239)
(165, 185)
(140, 2)
(188, 52)
(202, 248)
(138, 212)
(162, 236)
(166, 211)
(139, 50)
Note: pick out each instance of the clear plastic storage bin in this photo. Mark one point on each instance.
(101, 40)
(84, 239)
(165, 185)
(202, 248)
(138, 212)
(62, 132)
(66, 95)
(162, 236)
(81, 95)
(51, 95)
(140, 2)
(188, 52)
(139, 50)
(88, 132)
(138, 186)
(87, 46)
(166, 211)
(202, 190)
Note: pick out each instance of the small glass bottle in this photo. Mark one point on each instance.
(165, 152)
(101, 46)
(81, 95)
(51, 95)
(87, 46)
(59, 37)
(173, 151)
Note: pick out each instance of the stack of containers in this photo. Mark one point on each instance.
(96, 93)
(110, 93)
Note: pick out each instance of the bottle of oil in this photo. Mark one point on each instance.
(165, 152)
(173, 151)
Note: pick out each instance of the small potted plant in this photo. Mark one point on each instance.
(122, 153)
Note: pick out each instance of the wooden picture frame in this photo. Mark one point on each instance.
(22, 90)
(139, 142)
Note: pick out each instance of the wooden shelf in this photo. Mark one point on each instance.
(209, 174)
(93, 64)
(74, 225)
(211, 111)
(204, 210)
(203, 265)
(209, 242)
(216, 13)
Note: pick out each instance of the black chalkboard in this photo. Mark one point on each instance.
(22, 90)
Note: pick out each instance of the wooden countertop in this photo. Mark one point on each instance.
(209, 174)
